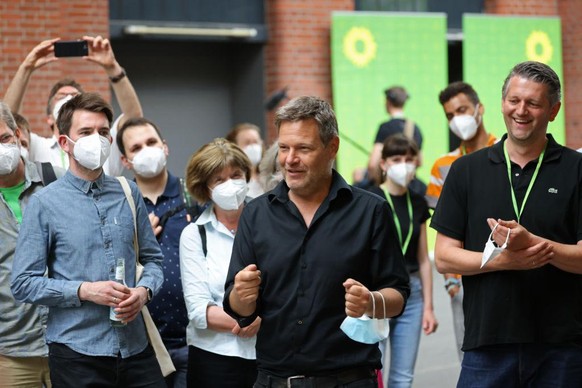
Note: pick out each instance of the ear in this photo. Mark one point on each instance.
(166, 149)
(481, 109)
(64, 143)
(126, 162)
(554, 110)
(50, 120)
(333, 146)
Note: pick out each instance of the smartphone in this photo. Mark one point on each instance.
(71, 48)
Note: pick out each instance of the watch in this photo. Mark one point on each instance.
(150, 294)
(118, 77)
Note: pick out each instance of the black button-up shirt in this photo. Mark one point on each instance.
(302, 300)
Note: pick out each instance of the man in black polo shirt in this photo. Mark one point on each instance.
(523, 309)
(306, 254)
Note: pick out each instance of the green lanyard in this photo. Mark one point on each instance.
(463, 150)
(531, 182)
(403, 246)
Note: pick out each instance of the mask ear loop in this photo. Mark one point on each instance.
(493, 231)
(506, 238)
(373, 304)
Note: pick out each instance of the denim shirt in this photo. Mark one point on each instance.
(21, 324)
(77, 229)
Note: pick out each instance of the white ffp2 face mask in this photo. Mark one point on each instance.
(231, 194)
(9, 158)
(254, 152)
(91, 151)
(401, 173)
(465, 126)
(149, 162)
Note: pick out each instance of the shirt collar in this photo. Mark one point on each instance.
(553, 150)
(82, 184)
(339, 187)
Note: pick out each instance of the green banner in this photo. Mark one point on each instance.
(372, 51)
(492, 45)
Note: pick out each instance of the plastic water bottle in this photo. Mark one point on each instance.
(119, 278)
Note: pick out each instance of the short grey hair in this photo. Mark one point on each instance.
(539, 73)
(310, 107)
(6, 116)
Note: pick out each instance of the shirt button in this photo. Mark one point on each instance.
(300, 322)
(107, 245)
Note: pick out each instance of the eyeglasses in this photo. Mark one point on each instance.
(6, 138)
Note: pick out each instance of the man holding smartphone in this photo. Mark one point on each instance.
(44, 146)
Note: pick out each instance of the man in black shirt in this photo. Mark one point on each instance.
(308, 253)
(523, 308)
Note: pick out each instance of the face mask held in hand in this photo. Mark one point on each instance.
(365, 329)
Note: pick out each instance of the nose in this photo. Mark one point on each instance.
(521, 109)
(291, 157)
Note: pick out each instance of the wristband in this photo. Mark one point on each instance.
(450, 282)
(118, 77)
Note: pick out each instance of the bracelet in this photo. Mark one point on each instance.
(450, 282)
(118, 77)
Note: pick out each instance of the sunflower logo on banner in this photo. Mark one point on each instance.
(538, 47)
(359, 46)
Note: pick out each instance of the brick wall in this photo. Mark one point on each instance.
(25, 23)
(570, 12)
(298, 54)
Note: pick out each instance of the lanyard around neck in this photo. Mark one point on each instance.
(403, 245)
(531, 182)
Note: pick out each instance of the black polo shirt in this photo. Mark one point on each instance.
(530, 306)
(302, 300)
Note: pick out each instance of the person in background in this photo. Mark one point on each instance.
(464, 111)
(222, 354)
(410, 213)
(145, 153)
(311, 255)
(248, 137)
(23, 351)
(508, 220)
(44, 146)
(396, 97)
(269, 168)
(77, 230)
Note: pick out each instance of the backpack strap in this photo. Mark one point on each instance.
(46, 172)
(202, 231)
(409, 129)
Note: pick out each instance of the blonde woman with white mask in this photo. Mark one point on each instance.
(410, 213)
(221, 353)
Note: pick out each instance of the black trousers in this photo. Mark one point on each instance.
(71, 369)
(211, 370)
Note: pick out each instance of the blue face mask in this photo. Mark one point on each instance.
(365, 329)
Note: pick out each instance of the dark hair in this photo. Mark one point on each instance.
(55, 89)
(91, 102)
(310, 107)
(233, 133)
(133, 122)
(209, 159)
(456, 88)
(539, 73)
(396, 96)
(399, 144)
(21, 122)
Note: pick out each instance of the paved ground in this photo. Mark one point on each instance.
(438, 365)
